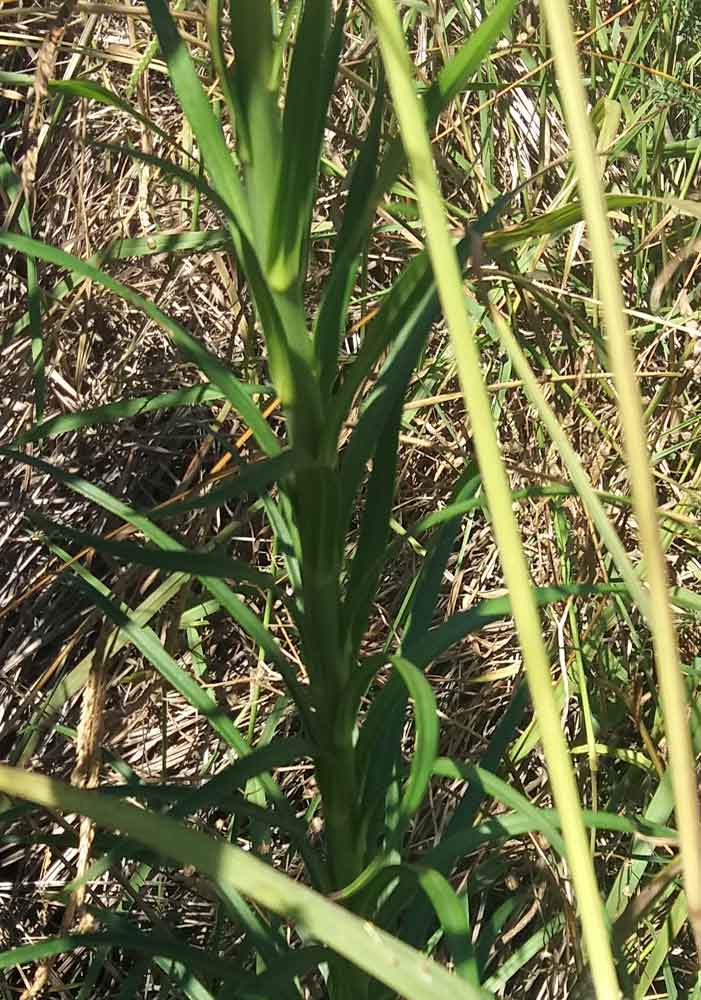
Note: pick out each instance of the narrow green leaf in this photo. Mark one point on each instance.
(311, 78)
(371, 949)
(90, 91)
(252, 479)
(434, 643)
(416, 921)
(426, 745)
(215, 152)
(213, 564)
(112, 413)
(411, 307)
(213, 368)
(219, 590)
(452, 916)
(333, 311)
(425, 597)
(451, 80)
(186, 242)
(491, 785)
(371, 553)
(214, 37)
(151, 943)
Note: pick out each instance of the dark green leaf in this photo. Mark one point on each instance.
(212, 366)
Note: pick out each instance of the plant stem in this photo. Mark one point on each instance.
(462, 332)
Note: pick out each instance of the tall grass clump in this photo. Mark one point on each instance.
(363, 912)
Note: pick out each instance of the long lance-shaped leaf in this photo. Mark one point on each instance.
(194, 351)
(441, 899)
(404, 322)
(147, 642)
(311, 78)
(112, 413)
(503, 792)
(248, 213)
(281, 316)
(426, 716)
(209, 563)
(412, 304)
(402, 968)
(462, 332)
(215, 152)
(333, 311)
(451, 80)
(248, 621)
(371, 553)
(187, 242)
(91, 91)
(417, 918)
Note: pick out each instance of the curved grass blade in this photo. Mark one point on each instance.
(384, 721)
(132, 939)
(174, 170)
(449, 83)
(384, 817)
(112, 413)
(304, 114)
(371, 949)
(489, 784)
(525, 953)
(213, 564)
(425, 596)
(49, 710)
(218, 589)
(214, 37)
(371, 553)
(416, 920)
(147, 642)
(144, 246)
(90, 91)
(254, 478)
(215, 152)
(552, 223)
(441, 900)
(309, 87)
(433, 644)
(453, 919)
(404, 321)
(411, 307)
(217, 372)
(426, 746)
(333, 311)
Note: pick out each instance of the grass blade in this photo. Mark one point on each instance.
(371, 949)
(215, 152)
(213, 368)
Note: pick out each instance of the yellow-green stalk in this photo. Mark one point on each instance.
(462, 331)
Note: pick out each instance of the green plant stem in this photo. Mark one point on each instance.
(672, 687)
(462, 332)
